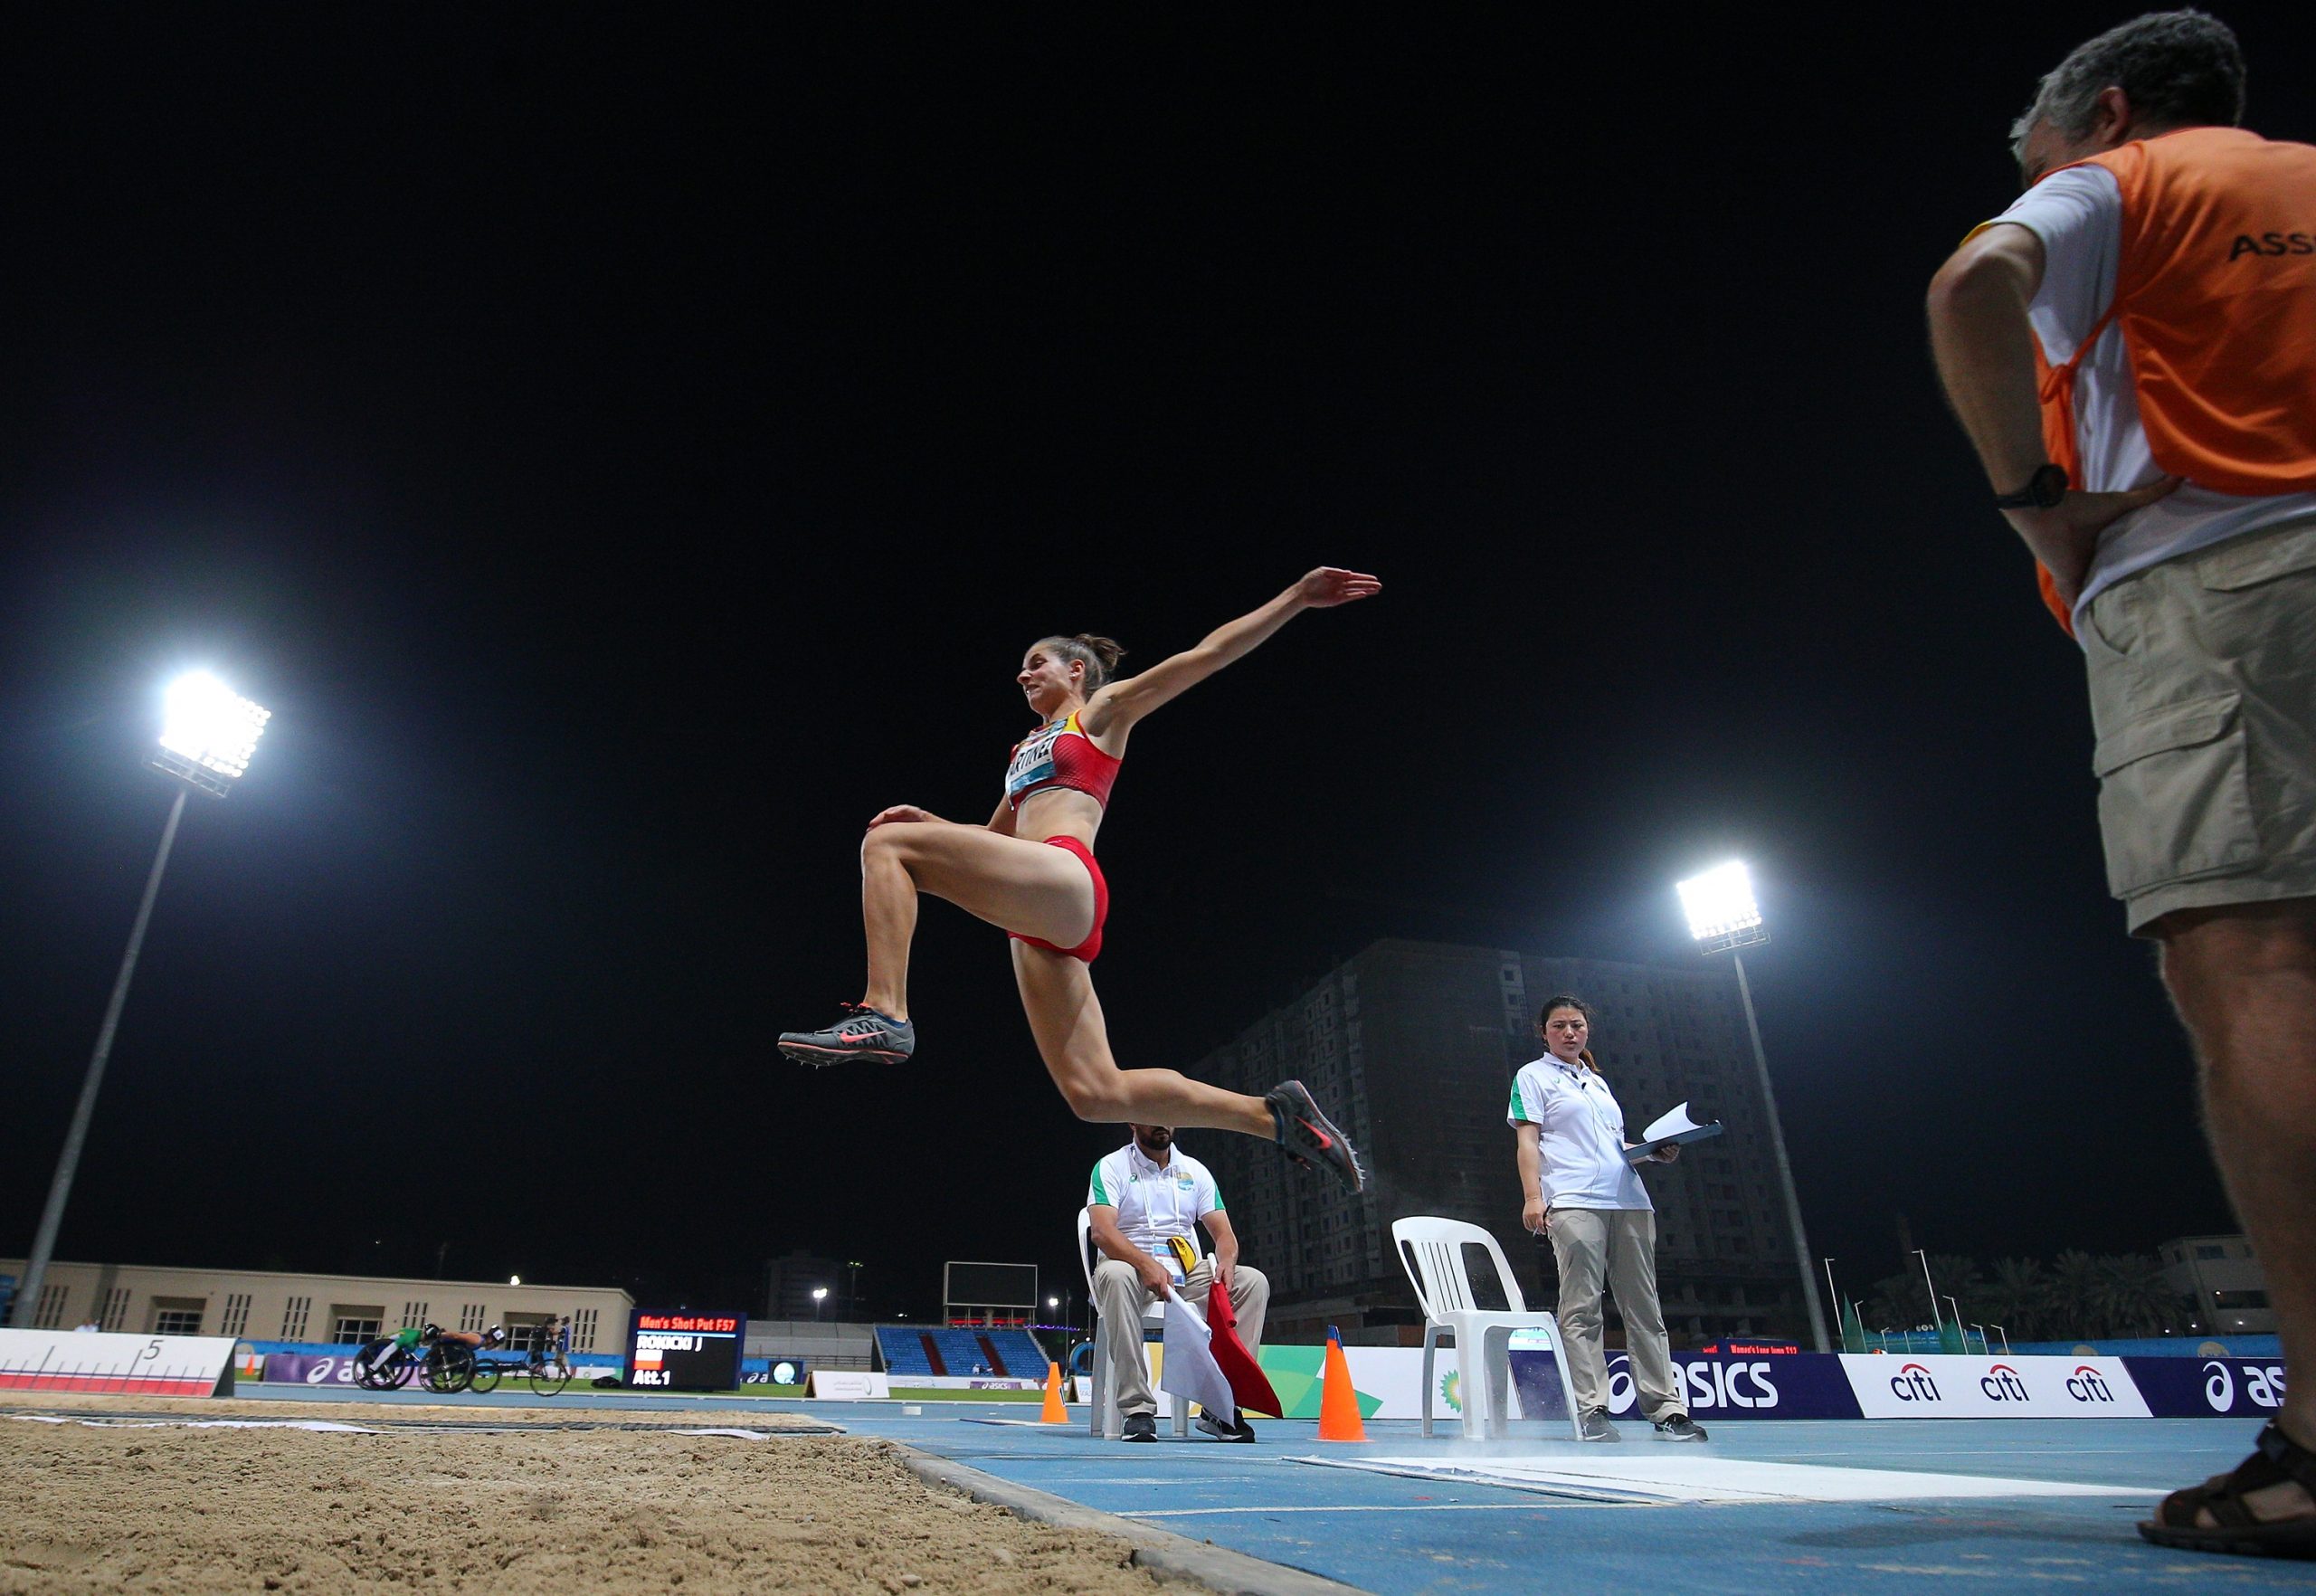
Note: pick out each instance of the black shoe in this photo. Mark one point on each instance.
(1679, 1427)
(1309, 1137)
(1140, 1427)
(860, 1033)
(1595, 1426)
(1238, 1429)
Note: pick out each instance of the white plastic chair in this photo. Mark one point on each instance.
(1432, 1250)
(1105, 1420)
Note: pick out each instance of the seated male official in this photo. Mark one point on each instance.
(1144, 1198)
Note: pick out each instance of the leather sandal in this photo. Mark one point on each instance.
(2276, 1460)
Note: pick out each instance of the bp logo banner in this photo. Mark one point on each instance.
(2199, 1388)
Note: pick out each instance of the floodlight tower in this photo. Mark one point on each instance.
(1723, 917)
(207, 735)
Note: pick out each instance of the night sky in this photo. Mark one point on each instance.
(625, 453)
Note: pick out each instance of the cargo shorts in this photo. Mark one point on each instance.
(2203, 697)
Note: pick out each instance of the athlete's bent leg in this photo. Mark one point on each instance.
(1065, 1018)
(1011, 882)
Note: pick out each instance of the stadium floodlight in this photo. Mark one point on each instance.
(819, 1296)
(208, 733)
(514, 1279)
(1724, 914)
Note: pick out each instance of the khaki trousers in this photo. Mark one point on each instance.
(1121, 1296)
(1622, 1244)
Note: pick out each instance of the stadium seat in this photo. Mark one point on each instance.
(1432, 1251)
(902, 1352)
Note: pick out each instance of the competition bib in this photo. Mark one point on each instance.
(1032, 762)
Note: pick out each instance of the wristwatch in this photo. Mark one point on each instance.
(2044, 488)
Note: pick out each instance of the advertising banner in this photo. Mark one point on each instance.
(2201, 1388)
(848, 1385)
(1389, 1384)
(337, 1368)
(1946, 1386)
(310, 1368)
(92, 1361)
(773, 1371)
(1389, 1380)
(1718, 1385)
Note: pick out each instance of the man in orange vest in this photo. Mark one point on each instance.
(2131, 348)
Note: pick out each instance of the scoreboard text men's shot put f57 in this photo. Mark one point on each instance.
(686, 1351)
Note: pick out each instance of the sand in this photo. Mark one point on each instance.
(178, 1509)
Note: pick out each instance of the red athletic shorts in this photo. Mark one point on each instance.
(1088, 949)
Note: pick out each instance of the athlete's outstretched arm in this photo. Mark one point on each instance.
(1121, 703)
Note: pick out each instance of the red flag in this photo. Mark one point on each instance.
(1248, 1383)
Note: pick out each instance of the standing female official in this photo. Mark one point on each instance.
(1580, 1191)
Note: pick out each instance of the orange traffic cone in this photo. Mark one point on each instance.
(1055, 1413)
(1339, 1418)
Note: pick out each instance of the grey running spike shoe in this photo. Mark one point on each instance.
(1678, 1427)
(1309, 1137)
(862, 1033)
(1595, 1426)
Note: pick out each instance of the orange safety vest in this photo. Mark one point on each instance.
(2215, 295)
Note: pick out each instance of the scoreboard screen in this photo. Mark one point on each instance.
(686, 1351)
(991, 1285)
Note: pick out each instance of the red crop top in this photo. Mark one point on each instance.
(1059, 754)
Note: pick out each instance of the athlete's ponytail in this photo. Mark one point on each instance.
(1099, 655)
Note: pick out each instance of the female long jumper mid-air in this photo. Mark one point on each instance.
(1031, 870)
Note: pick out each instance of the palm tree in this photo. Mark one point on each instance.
(1903, 1300)
(2075, 1296)
(2019, 1298)
(1900, 1300)
(2137, 1299)
(1958, 1277)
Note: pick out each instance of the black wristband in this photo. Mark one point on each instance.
(2044, 488)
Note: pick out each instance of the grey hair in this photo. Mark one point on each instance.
(2181, 68)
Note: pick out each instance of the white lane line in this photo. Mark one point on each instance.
(1362, 1507)
(195, 1423)
(1717, 1479)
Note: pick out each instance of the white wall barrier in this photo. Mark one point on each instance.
(93, 1362)
(847, 1385)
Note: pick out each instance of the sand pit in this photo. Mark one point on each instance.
(177, 1509)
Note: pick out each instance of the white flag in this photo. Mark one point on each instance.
(1191, 1373)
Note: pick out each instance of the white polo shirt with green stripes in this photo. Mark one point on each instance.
(1154, 1201)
